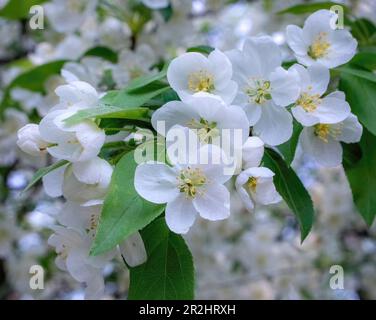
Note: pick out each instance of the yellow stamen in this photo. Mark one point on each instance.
(191, 181)
(206, 131)
(252, 184)
(201, 81)
(324, 131)
(258, 91)
(309, 102)
(319, 47)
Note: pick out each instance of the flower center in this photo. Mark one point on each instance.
(309, 102)
(324, 131)
(206, 131)
(201, 81)
(258, 91)
(190, 181)
(135, 72)
(252, 184)
(320, 46)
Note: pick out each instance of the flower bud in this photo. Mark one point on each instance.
(30, 140)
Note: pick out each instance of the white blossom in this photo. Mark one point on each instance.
(193, 73)
(79, 142)
(30, 140)
(312, 106)
(321, 41)
(265, 88)
(189, 188)
(323, 141)
(255, 186)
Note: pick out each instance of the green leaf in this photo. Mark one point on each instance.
(311, 7)
(201, 49)
(18, 9)
(291, 190)
(168, 273)
(166, 13)
(366, 60)
(124, 211)
(363, 30)
(102, 52)
(109, 112)
(352, 154)
(362, 178)
(360, 89)
(122, 104)
(42, 172)
(363, 74)
(152, 150)
(146, 80)
(288, 148)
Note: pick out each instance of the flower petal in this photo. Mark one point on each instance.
(284, 86)
(214, 204)
(156, 182)
(274, 126)
(180, 214)
(328, 154)
(351, 130)
(133, 250)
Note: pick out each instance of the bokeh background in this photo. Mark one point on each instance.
(248, 256)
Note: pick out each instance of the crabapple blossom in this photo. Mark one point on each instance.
(79, 142)
(255, 186)
(75, 94)
(193, 73)
(72, 246)
(133, 64)
(312, 107)
(85, 182)
(252, 152)
(265, 88)
(30, 140)
(323, 141)
(206, 114)
(188, 188)
(86, 219)
(320, 41)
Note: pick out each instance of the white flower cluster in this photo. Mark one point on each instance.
(238, 90)
(83, 181)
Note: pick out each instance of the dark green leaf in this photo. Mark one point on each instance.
(363, 30)
(360, 89)
(365, 60)
(42, 172)
(18, 9)
(109, 112)
(201, 49)
(146, 80)
(311, 7)
(124, 211)
(166, 13)
(168, 273)
(288, 148)
(363, 74)
(362, 178)
(122, 104)
(352, 154)
(292, 191)
(102, 52)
